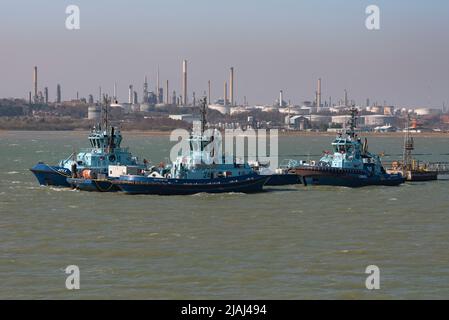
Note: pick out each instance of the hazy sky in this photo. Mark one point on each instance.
(273, 45)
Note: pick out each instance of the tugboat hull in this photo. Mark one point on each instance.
(283, 179)
(345, 178)
(162, 186)
(92, 185)
(51, 175)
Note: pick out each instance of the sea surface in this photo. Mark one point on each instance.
(291, 242)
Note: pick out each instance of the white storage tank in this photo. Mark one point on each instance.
(94, 113)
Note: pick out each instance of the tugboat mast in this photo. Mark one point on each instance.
(408, 147)
(203, 122)
(104, 113)
(203, 114)
(352, 122)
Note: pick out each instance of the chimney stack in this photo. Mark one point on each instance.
(318, 97)
(130, 94)
(167, 95)
(184, 81)
(58, 93)
(225, 94)
(231, 86)
(35, 82)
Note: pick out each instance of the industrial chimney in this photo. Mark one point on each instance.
(318, 96)
(225, 94)
(158, 97)
(130, 94)
(35, 83)
(46, 94)
(231, 86)
(58, 93)
(167, 95)
(184, 81)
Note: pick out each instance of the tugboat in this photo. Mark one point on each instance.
(410, 168)
(279, 176)
(351, 165)
(88, 169)
(197, 172)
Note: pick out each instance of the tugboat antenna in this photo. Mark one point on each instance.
(105, 110)
(408, 146)
(353, 122)
(203, 114)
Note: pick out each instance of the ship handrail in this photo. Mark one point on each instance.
(104, 150)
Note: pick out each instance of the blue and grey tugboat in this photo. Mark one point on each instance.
(196, 172)
(350, 164)
(88, 168)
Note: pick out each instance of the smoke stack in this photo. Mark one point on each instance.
(145, 90)
(157, 79)
(231, 86)
(281, 98)
(225, 94)
(346, 98)
(167, 95)
(46, 95)
(35, 82)
(130, 94)
(58, 93)
(158, 87)
(318, 96)
(184, 81)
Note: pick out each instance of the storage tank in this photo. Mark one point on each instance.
(94, 113)
(427, 111)
(220, 108)
(144, 107)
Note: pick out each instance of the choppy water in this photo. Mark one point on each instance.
(287, 243)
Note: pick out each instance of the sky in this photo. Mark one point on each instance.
(272, 44)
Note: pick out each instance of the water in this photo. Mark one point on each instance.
(287, 243)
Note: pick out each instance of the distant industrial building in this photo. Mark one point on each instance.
(428, 111)
(318, 119)
(94, 113)
(220, 106)
(300, 123)
(378, 120)
(184, 117)
(341, 119)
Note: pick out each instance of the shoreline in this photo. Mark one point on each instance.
(281, 133)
